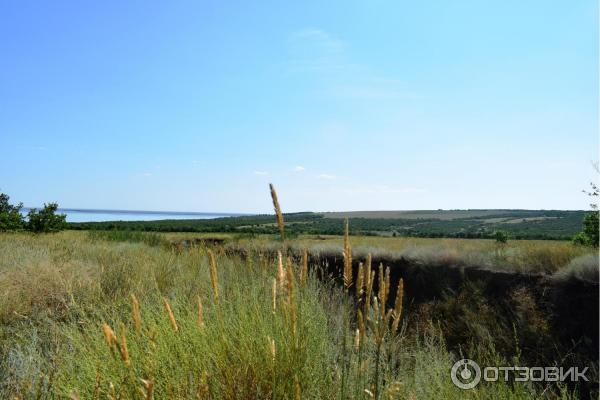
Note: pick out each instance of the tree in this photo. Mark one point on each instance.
(501, 237)
(46, 219)
(589, 235)
(10, 216)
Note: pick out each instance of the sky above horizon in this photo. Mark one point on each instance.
(342, 105)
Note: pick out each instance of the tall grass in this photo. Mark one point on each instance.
(108, 319)
(150, 238)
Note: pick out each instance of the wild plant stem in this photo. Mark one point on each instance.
(344, 356)
(377, 356)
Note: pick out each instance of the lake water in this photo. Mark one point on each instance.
(82, 215)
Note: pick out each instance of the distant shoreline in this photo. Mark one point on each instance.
(102, 215)
(142, 212)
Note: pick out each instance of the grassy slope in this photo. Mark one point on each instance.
(536, 256)
(57, 290)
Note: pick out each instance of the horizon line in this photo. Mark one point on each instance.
(220, 213)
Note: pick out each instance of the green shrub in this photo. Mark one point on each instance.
(46, 219)
(590, 228)
(501, 237)
(10, 215)
(589, 235)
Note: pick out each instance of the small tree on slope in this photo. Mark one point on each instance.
(10, 216)
(46, 219)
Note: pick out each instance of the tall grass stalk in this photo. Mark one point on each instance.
(278, 213)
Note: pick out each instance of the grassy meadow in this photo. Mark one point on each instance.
(91, 316)
(529, 256)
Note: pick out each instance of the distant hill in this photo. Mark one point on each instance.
(431, 214)
(519, 224)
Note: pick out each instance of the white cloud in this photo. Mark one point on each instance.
(147, 174)
(328, 177)
(299, 168)
(261, 173)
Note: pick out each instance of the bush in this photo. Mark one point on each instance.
(501, 237)
(580, 239)
(589, 235)
(590, 228)
(46, 219)
(10, 216)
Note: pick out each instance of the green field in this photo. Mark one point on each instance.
(518, 224)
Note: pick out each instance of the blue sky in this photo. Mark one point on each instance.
(196, 106)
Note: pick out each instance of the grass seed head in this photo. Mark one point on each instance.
(112, 395)
(360, 282)
(148, 389)
(214, 278)
(369, 278)
(357, 340)
(123, 348)
(280, 271)
(361, 324)
(109, 336)
(297, 391)
(304, 270)
(387, 283)
(203, 389)
(136, 315)
(346, 233)
(291, 305)
(382, 291)
(170, 314)
(97, 386)
(398, 306)
(347, 253)
(274, 296)
(272, 348)
(200, 313)
(278, 213)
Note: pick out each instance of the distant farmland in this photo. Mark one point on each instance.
(519, 224)
(419, 214)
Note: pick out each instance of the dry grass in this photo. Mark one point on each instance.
(63, 297)
(534, 256)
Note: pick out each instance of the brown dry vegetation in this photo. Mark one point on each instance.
(60, 292)
(532, 256)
